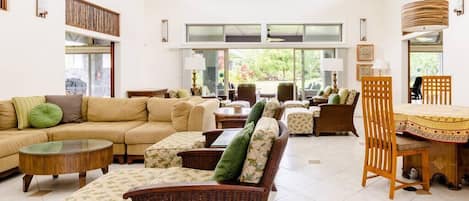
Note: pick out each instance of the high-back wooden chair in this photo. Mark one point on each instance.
(382, 145)
(436, 90)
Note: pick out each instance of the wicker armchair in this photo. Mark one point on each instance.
(206, 159)
(336, 118)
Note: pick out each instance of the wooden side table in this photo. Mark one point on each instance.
(226, 117)
(147, 93)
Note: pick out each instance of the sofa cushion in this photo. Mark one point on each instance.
(180, 115)
(343, 93)
(259, 150)
(70, 105)
(112, 131)
(160, 108)
(149, 133)
(117, 109)
(23, 106)
(351, 97)
(84, 108)
(113, 185)
(7, 115)
(45, 115)
(271, 108)
(231, 162)
(183, 93)
(256, 112)
(12, 140)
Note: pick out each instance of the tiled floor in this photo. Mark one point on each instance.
(313, 169)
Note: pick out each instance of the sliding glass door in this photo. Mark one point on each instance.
(213, 79)
(309, 78)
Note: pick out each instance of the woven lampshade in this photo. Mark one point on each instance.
(425, 15)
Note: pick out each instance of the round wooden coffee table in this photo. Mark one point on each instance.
(63, 157)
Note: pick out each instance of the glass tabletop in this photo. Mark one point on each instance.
(225, 138)
(65, 147)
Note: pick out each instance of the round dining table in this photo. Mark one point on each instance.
(446, 127)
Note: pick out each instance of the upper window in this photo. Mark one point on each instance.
(304, 32)
(3, 4)
(223, 33)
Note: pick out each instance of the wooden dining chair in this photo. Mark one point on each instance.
(436, 90)
(382, 145)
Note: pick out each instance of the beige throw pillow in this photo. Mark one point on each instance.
(180, 115)
(7, 115)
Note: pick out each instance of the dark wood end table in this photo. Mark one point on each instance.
(226, 117)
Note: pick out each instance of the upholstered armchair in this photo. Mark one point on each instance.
(247, 92)
(206, 159)
(337, 117)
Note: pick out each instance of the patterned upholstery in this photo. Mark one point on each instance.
(351, 97)
(112, 186)
(259, 150)
(291, 104)
(300, 122)
(271, 108)
(164, 153)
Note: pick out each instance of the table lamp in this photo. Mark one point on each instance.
(335, 65)
(195, 63)
(380, 65)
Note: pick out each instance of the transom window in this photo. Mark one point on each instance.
(224, 33)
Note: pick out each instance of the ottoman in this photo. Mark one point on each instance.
(164, 153)
(300, 121)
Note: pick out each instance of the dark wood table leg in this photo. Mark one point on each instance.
(26, 182)
(55, 176)
(105, 169)
(82, 179)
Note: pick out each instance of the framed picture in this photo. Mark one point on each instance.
(364, 70)
(365, 53)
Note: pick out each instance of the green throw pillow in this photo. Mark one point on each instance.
(231, 162)
(45, 115)
(334, 99)
(256, 112)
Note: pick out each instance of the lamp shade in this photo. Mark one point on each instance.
(380, 65)
(332, 64)
(424, 15)
(194, 62)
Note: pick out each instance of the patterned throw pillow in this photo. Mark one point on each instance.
(259, 150)
(23, 106)
(351, 97)
(271, 108)
(327, 91)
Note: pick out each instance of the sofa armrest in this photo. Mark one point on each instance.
(211, 136)
(202, 159)
(189, 191)
(202, 116)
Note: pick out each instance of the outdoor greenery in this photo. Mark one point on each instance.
(425, 63)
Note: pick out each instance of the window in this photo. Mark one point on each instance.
(323, 33)
(213, 77)
(223, 33)
(3, 4)
(88, 66)
(205, 33)
(285, 33)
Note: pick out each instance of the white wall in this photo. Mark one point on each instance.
(31, 50)
(163, 62)
(455, 56)
(32, 55)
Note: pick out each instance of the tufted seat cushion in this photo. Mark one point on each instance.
(164, 153)
(113, 185)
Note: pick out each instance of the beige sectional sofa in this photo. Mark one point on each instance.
(131, 124)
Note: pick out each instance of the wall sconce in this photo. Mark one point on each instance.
(363, 29)
(41, 8)
(458, 6)
(164, 31)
